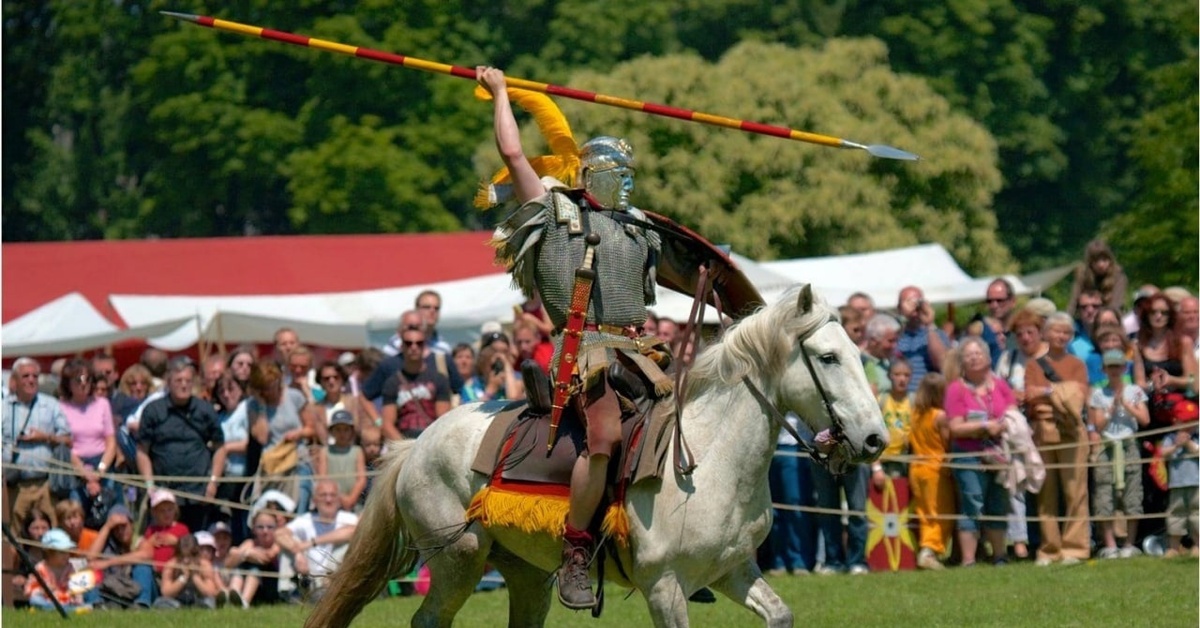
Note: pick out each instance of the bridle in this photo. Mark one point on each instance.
(835, 429)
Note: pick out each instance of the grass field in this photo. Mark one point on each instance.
(1134, 592)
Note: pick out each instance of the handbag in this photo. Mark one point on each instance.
(280, 459)
(62, 474)
(11, 474)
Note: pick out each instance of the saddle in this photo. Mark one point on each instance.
(528, 487)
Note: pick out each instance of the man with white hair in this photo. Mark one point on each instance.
(318, 541)
(32, 425)
(881, 333)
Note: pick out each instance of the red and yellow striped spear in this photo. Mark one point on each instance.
(878, 150)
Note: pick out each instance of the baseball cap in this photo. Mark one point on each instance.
(57, 539)
(346, 359)
(490, 327)
(219, 527)
(205, 539)
(341, 417)
(1143, 293)
(160, 496)
(1113, 357)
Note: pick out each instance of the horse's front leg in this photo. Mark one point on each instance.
(667, 602)
(746, 586)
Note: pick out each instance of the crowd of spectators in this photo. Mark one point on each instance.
(1026, 433)
(253, 466)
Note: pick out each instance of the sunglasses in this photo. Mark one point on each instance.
(1089, 306)
(1004, 300)
(435, 308)
(1158, 311)
(414, 343)
(333, 376)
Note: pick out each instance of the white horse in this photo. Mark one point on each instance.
(685, 532)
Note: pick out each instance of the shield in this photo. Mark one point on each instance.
(890, 544)
(684, 251)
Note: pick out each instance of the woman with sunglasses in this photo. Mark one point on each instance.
(1168, 364)
(331, 377)
(94, 442)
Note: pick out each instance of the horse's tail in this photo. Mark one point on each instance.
(377, 553)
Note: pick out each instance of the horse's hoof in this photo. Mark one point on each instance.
(703, 596)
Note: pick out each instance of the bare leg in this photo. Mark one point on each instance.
(995, 537)
(969, 544)
(252, 583)
(587, 488)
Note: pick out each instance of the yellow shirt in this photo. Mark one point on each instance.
(897, 415)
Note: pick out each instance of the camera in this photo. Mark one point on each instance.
(498, 367)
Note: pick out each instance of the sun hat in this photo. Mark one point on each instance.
(160, 496)
(57, 539)
(205, 539)
(1113, 357)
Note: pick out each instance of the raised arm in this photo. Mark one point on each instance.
(526, 183)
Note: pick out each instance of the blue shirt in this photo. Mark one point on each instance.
(42, 414)
(914, 346)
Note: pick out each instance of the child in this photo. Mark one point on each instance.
(371, 440)
(930, 483)
(188, 579)
(1116, 409)
(222, 538)
(56, 570)
(258, 554)
(165, 530)
(897, 415)
(1183, 475)
(345, 462)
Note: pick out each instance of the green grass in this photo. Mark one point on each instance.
(1135, 592)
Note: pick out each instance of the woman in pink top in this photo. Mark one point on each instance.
(975, 407)
(93, 437)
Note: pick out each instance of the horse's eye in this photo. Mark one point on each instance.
(828, 358)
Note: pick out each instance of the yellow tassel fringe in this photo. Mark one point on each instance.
(538, 514)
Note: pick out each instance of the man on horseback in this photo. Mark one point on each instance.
(555, 232)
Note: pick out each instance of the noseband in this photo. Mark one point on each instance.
(835, 429)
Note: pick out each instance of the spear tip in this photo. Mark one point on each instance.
(187, 17)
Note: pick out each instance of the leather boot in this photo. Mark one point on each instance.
(574, 584)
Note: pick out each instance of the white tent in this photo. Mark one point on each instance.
(69, 324)
(882, 274)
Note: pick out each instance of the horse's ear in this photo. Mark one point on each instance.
(804, 304)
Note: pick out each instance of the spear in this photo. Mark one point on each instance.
(878, 150)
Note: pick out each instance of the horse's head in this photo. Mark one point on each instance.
(823, 382)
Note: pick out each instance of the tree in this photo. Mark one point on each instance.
(770, 197)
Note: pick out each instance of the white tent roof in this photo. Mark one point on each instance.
(70, 323)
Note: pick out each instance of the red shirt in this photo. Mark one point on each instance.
(163, 553)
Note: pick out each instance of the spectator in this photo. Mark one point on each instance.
(437, 362)
(1189, 322)
(532, 345)
(1110, 337)
(240, 362)
(793, 531)
(214, 368)
(100, 388)
(494, 378)
(93, 442)
(181, 436)
(187, 579)
(880, 340)
(668, 332)
(347, 466)
(1055, 390)
(464, 362)
(853, 323)
(930, 483)
(1139, 303)
(1179, 450)
(1001, 304)
(301, 375)
(36, 524)
(33, 424)
(222, 534)
(104, 367)
(865, 305)
(371, 441)
(429, 305)
(897, 415)
(207, 543)
(975, 408)
(920, 341)
(55, 569)
(285, 427)
(1099, 272)
(334, 397)
(231, 405)
(161, 537)
(415, 396)
(318, 541)
(70, 519)
(1168, 361)
(132, 389)
(650, 327)
(113, 554)
(155, 361)
(1117, 410)
(258, 555)
(286, 340)
(1082, 347)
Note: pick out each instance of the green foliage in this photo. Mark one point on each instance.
(774, 198)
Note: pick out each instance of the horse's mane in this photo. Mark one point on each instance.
(758, 344)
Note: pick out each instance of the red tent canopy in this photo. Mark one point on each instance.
(35, 273)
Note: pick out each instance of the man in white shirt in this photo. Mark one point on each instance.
(317, 541)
